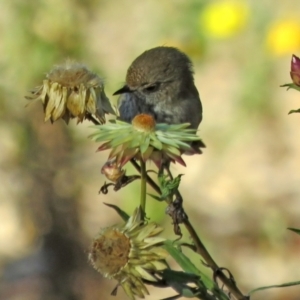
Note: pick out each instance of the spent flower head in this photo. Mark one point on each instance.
(144, 139)
(129, 254)
(112, 170)
(72, 91)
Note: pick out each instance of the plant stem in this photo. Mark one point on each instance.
(200, 249)
(150, 181)
(143, 186)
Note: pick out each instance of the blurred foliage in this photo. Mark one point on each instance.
(240, 191)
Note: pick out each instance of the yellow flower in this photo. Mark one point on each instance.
(222, 19)
(283, 37)
(129, 254)
(72, 91)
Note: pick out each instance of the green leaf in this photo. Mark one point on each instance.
(119, 211)
(173, 127)
(179, 136)
(118, 122)
(173, 184)
(164, 140)
(136, 141)
(294, 111)
(292, 283)
(178, 281)
(186, 264)
(168, 187)
(145, 144)
(156, 143)
(189, 267)
(183, 277)
(295, 230)
(158, 198)
(291, 86)
(173, 150)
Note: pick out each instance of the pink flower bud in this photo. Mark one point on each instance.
(295, 70)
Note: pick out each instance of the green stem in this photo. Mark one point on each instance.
(200, 249)
(143, 186)
(150, 181)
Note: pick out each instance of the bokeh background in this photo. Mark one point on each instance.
(241, 194)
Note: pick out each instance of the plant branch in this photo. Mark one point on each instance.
(143, 186)
(200, 249)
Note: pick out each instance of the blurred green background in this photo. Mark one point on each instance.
(241, 194)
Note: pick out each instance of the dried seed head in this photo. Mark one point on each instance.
(129, 254)
(72, 91)
(112, 170)
(110, 252)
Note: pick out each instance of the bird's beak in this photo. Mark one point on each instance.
(124, 89)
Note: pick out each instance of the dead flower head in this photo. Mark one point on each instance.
(144, 139)
(112, 171)
(129, 254)
(72, 91)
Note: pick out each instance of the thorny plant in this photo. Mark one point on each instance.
(133, 253)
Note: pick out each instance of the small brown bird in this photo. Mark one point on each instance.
(160, 82)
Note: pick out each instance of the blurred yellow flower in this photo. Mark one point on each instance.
(283, 37)
(223, 19)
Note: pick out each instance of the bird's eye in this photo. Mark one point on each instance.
(151, 88)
